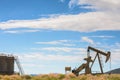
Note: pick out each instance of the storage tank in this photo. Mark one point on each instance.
(6, 64)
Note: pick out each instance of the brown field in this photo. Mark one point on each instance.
(61, 77)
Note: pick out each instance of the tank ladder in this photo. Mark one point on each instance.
(19, 65)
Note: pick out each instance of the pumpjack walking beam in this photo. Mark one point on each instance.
(101, 52)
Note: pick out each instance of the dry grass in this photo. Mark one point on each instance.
(61, 77)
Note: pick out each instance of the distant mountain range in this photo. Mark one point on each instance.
(115, 71)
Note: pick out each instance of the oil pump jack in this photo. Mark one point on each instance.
(87, 66)
(98, 53)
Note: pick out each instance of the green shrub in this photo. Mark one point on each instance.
(61, 76)
(26, 77)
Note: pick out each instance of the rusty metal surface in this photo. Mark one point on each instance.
(6, 65)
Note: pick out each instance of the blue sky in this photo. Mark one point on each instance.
(49, 35)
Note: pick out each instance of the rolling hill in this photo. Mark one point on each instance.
(115, 71)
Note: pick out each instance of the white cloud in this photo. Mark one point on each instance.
(84, 22)
(106, 17)
(53, 42)
(57, 42)
(102, 5)
(62, 49)
(102, 36)
(49, 57)
(108, 7)
(86, 39)
(110, 47)
(20, 31)
(72, 3)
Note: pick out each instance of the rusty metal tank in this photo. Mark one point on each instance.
(6, 64)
